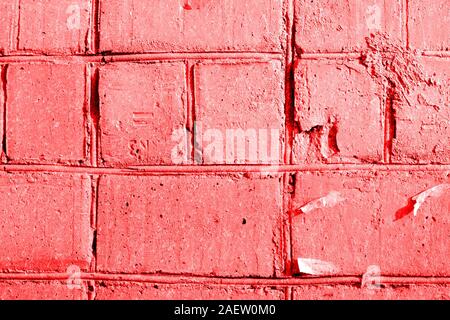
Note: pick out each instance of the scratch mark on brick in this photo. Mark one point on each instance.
(94, 110)
(19, 9)
(407, 24)
(95, 26)
(390, 124)
(142, 118)
(5, 99)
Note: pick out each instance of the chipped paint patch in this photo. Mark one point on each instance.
(316, 267)
(434, 192)
(332, 199)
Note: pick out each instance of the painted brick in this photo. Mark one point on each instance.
(374, 225)
(45, 113)
(54, 26)
(89, 88)
(197, 225)
(348, 292)
(40, 290)
(240, 96)
(141, 105)
(422, 124)
(8, 24)
(191, 25)
(45, 222)
(339, 109)
(428, 24)
(342, 26)
(148, 291)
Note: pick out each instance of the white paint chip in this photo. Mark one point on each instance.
(316, 267)
(330, 200)
(74, 20)
(371, 280)
(434, 192)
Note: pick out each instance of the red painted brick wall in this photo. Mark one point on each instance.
(225, 149)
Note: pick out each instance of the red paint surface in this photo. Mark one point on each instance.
(45, 222)
(109, 189)
(341, 26)
(54, 26)
(180, 233)
(229, 96)
(368, 227)
(118, 290)
(48, 290)
(211, 25)
(338, 107)
(136, 127)
(45, 113)
(343, 292)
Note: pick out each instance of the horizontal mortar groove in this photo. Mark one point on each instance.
(357, 55)
(117, 57)
(192, 169)
(159, 56)
(176, 279)
(443, 54)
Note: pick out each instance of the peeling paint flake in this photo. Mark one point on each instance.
(316, 267)
(330, 200)
(434, 192)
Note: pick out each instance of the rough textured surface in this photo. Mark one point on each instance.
(339, 112)
(40, 290)
(7, 25)
(42, 232)
(197, 225)
(422, 123)
(62, 26)
(209, 25)
(136, 127)
(148, 291)
(428, 24)
(224, 149)
(347, 292)
(2, 104)
(240, 96)
(45, 113)
(374, 224)
(341, 26)
(417, 106)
